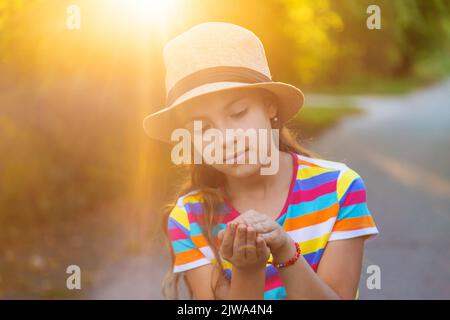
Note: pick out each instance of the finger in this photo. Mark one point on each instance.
(262, 250)
(250, 252)
(220, 234)
(238, 219)
(240, 239)
(252, 220)
(264, 226)
(269, 237)
(253, 216)
(226, 249)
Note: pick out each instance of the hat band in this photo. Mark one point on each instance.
(215, 74)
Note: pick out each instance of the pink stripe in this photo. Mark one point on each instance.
(194, 217)
(177, 234)
(288, 201)
(355, 198)
(231, 216)
(273, 282)
(199, 218)
(311, 194)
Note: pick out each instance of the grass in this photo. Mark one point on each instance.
(312, 121)
(425, 72)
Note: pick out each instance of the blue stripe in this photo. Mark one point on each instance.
(356, 185)
(353, 211)
(275, 294)
(182, 245)
(195, 208)
(223, 208)
(196, 229)
(217, 228)
(313, 257)
(271, 271)
(313, 182)
(174, 224)
(320, 203)
(228, 274)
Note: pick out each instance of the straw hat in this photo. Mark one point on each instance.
(212, 57)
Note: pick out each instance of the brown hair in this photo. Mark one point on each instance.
(206, 180)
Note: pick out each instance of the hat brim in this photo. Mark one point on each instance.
(159, 125)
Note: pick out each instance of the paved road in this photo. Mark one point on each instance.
(401, 148)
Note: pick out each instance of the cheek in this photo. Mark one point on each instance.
(257, 120)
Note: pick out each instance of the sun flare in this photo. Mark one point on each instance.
(138, 16)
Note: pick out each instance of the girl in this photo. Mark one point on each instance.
(236, 233)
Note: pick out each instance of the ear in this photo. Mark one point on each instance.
(273, 110)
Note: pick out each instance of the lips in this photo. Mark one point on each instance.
(236, 156)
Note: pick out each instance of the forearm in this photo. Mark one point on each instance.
(299, 279)
(247, 284)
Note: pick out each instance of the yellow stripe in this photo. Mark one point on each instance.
(226, 264)
(193, 198)
(344, 181)
(308, 172)
(314, 244)
(180, 215)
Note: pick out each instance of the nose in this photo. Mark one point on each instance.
(225, 139)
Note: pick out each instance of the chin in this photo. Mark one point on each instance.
(242, 170)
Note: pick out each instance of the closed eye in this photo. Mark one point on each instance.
(239, 114)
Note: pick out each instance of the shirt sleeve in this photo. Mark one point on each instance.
(185, 245)
(354, 218)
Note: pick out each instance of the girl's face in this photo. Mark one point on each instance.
(234, 109)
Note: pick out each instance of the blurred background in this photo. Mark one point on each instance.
(81, 184)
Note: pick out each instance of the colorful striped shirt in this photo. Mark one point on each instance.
(326, 202)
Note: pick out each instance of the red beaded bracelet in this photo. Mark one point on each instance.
(290, 261)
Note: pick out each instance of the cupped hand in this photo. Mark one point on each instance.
(269, 229)
(243, 247)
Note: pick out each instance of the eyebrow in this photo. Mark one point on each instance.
(228, 105)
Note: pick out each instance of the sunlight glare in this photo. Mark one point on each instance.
(139, 15)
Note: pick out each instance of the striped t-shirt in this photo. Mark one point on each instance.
(326, 202)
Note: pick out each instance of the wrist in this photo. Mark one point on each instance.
(248, 270)
(285, 251)
(247, 283)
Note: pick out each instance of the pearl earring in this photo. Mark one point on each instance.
(275, 119)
